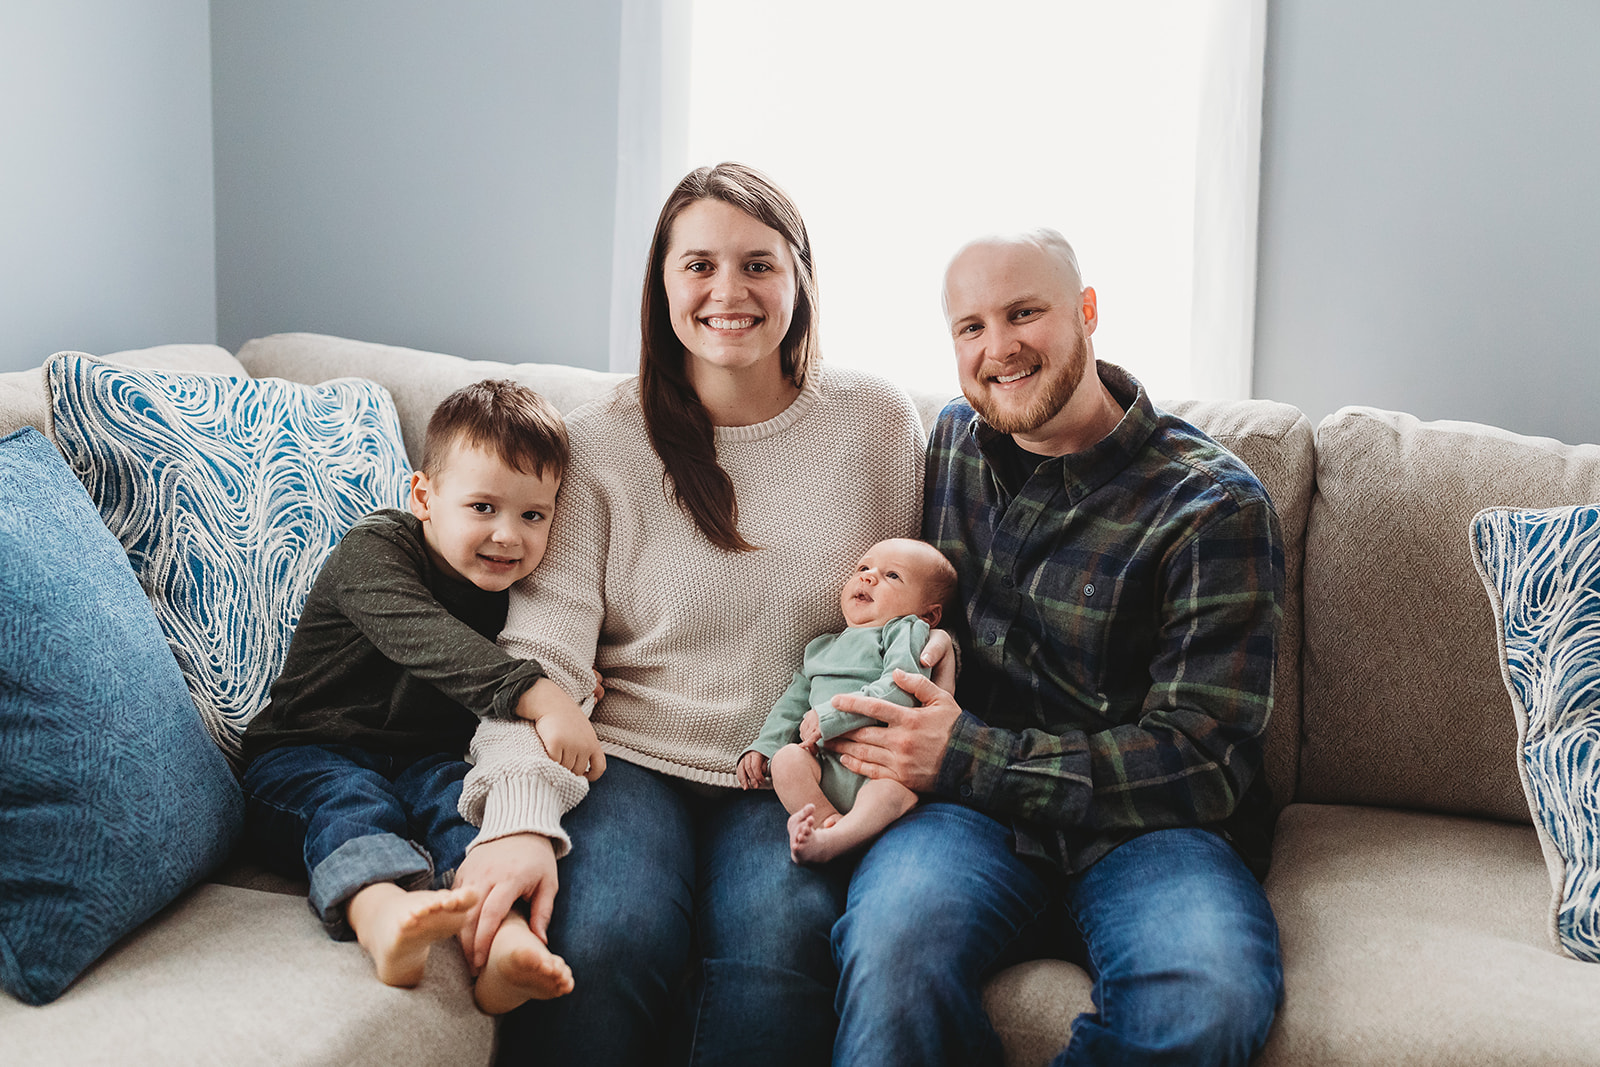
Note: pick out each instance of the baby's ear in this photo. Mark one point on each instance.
(933, 615)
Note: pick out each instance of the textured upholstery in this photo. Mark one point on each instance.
(227, 493)
(1541, 569)
(1402, 701)
(112, 798)
(248, 979)
(25, 399)
(1415, 939)
(416, 380)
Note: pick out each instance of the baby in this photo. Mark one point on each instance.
(890, 603)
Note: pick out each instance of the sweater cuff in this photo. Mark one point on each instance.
(522, 806)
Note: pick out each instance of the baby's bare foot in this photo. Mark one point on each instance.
(520, 968)
(802, 824)
(397, 928)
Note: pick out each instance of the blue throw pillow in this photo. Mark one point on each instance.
(113, 799)
(1542, 572)
(228, 494)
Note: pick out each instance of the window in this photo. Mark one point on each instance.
(904, 129)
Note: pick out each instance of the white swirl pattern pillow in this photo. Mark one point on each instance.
(228, 494)
(1542, 572)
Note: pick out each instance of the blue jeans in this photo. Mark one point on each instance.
(1174, 930)
(691, 935)
(348, 818)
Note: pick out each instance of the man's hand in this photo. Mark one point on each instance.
(939, 653)
(752, 770)
(910, 746)
(563, 728)
(505, 870)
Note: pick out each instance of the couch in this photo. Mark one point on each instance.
(1407, 878)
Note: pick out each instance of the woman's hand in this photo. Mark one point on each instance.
(504, 871)
(599, 687)
(752, 770)
(940, 654)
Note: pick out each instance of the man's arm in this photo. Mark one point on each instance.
(1186, 761)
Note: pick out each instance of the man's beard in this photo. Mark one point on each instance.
(1057, 391)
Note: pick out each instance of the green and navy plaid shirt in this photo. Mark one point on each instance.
(1120, 633)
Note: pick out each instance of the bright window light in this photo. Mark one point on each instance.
(903, 130)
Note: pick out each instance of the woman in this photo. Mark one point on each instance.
(710, 507)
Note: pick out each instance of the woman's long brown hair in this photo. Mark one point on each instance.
(679, 427)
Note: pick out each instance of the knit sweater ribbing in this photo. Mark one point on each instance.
(696, 643)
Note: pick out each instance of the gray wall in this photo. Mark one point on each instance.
(106, 238)
(1430, 211)
(434, 175)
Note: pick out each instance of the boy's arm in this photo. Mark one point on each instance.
(903, 640)
(379, 589)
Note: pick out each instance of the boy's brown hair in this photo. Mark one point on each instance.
(505, 419)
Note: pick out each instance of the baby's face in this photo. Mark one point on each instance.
(889, 581)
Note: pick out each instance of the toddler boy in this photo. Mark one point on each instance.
(353, 770)
(895, 596)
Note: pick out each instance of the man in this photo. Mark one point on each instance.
(1121, 577)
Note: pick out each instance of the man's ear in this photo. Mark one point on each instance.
(933, 615)
(1091, 311)
(421, 489)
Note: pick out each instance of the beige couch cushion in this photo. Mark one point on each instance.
(240, 977)
(1402, 702)
(1420, 939)
(25, 400)
(416, 380)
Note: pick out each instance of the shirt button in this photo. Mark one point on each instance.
(1005, 580)
(988, 638)
(965, 790)
(1088, 590)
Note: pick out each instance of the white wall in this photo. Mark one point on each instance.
(1430, 195)
(434, 175)
(106, 235)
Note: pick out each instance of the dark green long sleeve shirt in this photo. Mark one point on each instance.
(391, 655)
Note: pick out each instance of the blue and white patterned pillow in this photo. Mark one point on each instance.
(228, 494)
(1542, 572)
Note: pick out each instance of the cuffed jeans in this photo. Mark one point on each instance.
(349, 818)
(665, 885)
(1175, 931)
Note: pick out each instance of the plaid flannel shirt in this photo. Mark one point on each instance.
(1122, 609)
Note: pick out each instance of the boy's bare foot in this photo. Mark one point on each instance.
(397, 927)
(520, 968)
(810, 842)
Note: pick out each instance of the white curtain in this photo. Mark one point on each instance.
(904, 128)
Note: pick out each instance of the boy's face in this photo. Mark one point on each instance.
(484, 521)
(891, 580)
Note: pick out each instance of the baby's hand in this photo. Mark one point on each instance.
(569, 739)
(810, 731)
(752, 770)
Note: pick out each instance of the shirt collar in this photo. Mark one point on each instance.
(1084, 472)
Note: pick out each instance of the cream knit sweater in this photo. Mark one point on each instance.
(696, 644)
